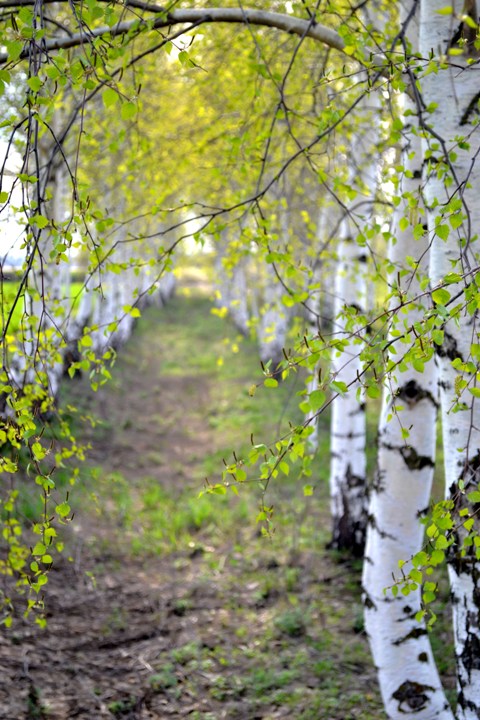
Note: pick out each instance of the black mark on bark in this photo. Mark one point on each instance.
(448, 348)
(412, 696)
(413, 460)
(412, 635)
(412, 393)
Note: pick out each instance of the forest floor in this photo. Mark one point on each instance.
(169, 606)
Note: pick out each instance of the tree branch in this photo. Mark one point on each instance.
(286, 23)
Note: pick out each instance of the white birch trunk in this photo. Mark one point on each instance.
(348, 484)
(407, 674)
(118, 290)
(312, 318)
(104, 311)
(46, 330)
(319, 309)
(455, 90)
(348, 501)
(231, 286)
(84, 312)
(273, 322)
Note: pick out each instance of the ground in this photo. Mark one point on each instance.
(170, 606)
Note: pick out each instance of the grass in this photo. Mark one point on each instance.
(284, 627)
(267, 597)
(218, 368)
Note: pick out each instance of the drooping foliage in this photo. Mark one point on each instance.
(130, 129)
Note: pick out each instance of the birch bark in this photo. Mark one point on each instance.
(451, 93)
(231, 285)
(348, 502)
(46, 319)
(407, 674)
(348, 485)
(273, 322)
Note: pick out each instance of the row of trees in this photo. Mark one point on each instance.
(287, 148)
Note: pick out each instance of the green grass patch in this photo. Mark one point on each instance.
(282, 617)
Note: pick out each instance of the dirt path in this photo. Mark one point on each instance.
(207, 631)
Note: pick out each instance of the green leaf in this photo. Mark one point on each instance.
(316, 399)
(183, 57)
(452, 278)
(14, 50)
(109, 97)
(40, 221)
(34, 83)
(307, 490)
(418, 231)
(469, 21)
(416, 575)
(270, 383)
(447, 10)
(128, 111)
(63, 509)
(86, 341)
(475, 391)
(339, 387)
(440, 296)
(456, 220)
(421, 558)
(374, 391)
(38, 450)
(39, 549)
(437, 557)
(441, 542)
(443, 231)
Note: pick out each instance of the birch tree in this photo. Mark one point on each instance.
(348, 431)
(348, 484)
(448, 36)
(231, 277)
(400, 645)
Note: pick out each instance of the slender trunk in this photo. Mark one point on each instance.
(273, 322)
(407, 674)
(46, 327)
(319, 309)
(348, 499)
(231, 285)
(348, 484)
(452, 94)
